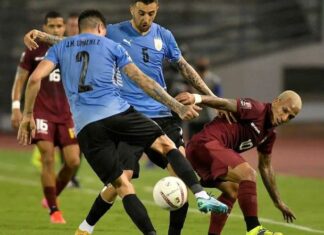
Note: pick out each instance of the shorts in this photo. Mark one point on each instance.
(60, 134)
(211, 161)
(101, 142)
(172, 129)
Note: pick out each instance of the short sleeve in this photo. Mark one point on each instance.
(26, 60)
(52, 54)
(122, 56)
(173, 51)
(248, 109)
(267, 144)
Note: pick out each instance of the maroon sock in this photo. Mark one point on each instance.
(50, 196)
(217, 221)
(60, 185)
(247, 198)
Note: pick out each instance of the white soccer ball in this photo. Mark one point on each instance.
(170, 193)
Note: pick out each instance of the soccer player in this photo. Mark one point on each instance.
(89, 64)
(53, 128)
(214, 153)
(148, 44)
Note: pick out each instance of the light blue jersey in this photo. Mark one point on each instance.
(89, 66)
(148, 53)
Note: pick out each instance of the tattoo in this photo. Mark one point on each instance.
(153, 89)
(189, 73)
(51, 39)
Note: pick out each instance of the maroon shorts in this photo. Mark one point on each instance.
(61, 134)
(211, 160)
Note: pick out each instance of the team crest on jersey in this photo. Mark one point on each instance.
(245, 104)
(158, 44)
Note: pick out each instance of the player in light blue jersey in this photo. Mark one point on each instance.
(89, 64)
(149, 44)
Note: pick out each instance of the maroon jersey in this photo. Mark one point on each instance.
(51, 103)
(253, 128)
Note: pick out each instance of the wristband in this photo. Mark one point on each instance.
(15, 104)
(198, 98)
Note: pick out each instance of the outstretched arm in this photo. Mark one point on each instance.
(31, 36)
(216, 102)
(189, 73)
(153, 89)
(269, 181)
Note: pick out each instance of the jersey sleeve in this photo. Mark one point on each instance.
(266, 146)
(52, 54)
(248, 109)
(122, 56)
(173, 52)
(26, 60)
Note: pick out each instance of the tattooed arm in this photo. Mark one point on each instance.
(189, 73)
(153, 89)
(31, 36)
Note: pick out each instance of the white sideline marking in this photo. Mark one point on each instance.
(192, 210)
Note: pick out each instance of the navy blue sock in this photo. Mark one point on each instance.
(98, 209)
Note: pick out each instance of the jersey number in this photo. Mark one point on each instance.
(246, 145)
(84, 57)
(41, 125)
(146, 57)
(55, 76)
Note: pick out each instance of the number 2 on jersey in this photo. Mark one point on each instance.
(84, 57)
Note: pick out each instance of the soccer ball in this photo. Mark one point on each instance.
(170, 193)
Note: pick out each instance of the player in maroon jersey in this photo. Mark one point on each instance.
(54, 125)
(214, 153)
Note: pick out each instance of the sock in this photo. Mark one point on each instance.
(137, 212)
(63, 178)
(60, 185)
(184, 170)
(247, 198)
(50, 195)
(98, 209)
(217, 221)
(84, 226)
(177, 219)
(202, 194)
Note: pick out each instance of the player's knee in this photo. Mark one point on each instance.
(249, 174)
(163, 145)
(73, 162)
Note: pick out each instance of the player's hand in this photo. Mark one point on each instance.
(185, 98)
(228, 115)
(30, 39)
(26, 130)
(189, 112)
(16, 117)
(288, 215)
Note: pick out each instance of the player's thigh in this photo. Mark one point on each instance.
(129, 156)
(243, 171)
(212, 161)
(133, 128)
(100, 150)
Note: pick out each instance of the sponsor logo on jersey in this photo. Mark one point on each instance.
(245, 104)
(127, 42)
(158, 44)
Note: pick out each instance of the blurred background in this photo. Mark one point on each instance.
(257, 48)
(250, 48)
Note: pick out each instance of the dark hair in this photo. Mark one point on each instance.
(90, 18)
(146, 2)
(73, 15)
(52, 14)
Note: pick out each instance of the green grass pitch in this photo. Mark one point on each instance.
(21, 211)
